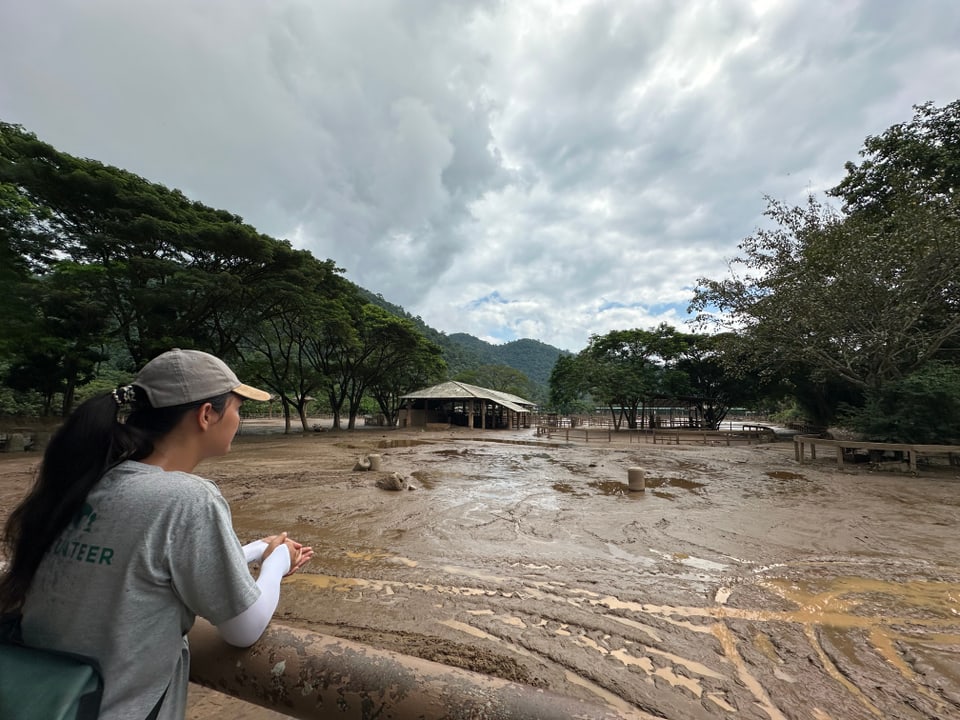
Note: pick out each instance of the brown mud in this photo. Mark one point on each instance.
(739, 585)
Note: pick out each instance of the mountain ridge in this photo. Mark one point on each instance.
(463, 351)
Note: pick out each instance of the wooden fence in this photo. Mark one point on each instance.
(875, 449)
(748, 433)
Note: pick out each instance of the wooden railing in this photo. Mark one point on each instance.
(662, 436)
(911, 451)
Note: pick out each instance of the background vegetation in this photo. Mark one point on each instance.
(846, 314)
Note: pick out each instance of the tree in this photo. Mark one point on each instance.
(279, 346)
(502, 378)
(420, 365)
(385, 344)
(712, 368)
(850, 299)
(922, 408)
(331, 345)
(175, 272)
(567, 386)
(66, 337)
(625, 369)
(917, 160)
(845, 303)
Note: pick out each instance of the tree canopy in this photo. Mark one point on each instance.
(101, 265)
(847, 302)
(627, 371)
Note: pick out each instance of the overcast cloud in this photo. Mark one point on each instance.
(517, 169)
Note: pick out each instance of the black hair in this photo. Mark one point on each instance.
(90, 442)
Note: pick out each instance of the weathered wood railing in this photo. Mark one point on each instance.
(800, 442)
(308, 675)
(758, 433)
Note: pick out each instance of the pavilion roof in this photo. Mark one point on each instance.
(454, 390)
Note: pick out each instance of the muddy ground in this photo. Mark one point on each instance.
(739, 585)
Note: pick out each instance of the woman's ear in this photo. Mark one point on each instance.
(206, 416)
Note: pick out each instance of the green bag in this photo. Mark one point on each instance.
(45, 684)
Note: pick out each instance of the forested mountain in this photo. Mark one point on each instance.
(531, 357)
(463, 352)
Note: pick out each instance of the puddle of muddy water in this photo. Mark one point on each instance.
(682, 483)
(784, 475)
(405, 442)
(426, 479)
(610, 487)
(569, 489)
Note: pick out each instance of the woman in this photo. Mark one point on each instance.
(118, 546)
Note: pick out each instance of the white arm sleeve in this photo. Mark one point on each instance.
(254, 551)
(247, 627)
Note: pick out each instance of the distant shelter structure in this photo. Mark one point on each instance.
(465, 405)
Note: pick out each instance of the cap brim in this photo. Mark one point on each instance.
(251, 393)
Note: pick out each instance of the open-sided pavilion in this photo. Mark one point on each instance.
(458, 403)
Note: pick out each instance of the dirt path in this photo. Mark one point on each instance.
(740, 584)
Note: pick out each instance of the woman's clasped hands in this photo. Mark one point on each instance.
(300, 554)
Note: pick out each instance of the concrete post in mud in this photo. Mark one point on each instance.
(307, 675)
(374, 461)
(636, 479)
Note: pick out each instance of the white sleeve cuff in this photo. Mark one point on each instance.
(247, 627)
(254, 551)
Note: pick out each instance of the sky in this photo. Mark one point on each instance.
(525, 169)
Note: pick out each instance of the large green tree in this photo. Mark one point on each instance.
(407, 361)
(174, 271)
(67, 334)
(845, 302)
(623, 370)
(712, 376)
(278, 348)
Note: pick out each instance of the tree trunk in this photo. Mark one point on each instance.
(68, 396)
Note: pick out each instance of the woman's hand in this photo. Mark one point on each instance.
(299, 554)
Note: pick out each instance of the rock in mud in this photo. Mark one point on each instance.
(394, 482)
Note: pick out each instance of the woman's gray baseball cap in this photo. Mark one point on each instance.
(179, 377)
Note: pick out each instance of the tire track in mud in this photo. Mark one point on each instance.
(642, 600)
(651, 655)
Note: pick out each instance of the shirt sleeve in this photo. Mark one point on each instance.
(208, 569)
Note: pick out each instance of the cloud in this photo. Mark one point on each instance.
(536, 169)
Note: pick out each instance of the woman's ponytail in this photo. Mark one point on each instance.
(90, 441)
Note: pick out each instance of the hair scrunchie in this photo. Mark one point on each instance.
(124, 395)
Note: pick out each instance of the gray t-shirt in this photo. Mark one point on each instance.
(149, 552)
